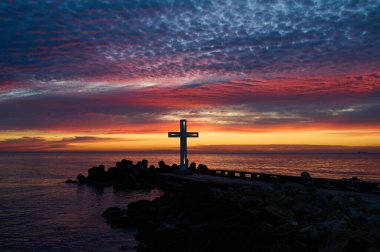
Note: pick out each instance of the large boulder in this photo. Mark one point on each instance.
(164, 167)
(305, 174)
(70, 181)
(202, 167)
(117, 217)
(348, 240)
(124, 163)
(175, 167)
(113, 212)
(144, 163)
(193, 166)
(162, 164)
(81, 178)
(276, 215)
(97, 173)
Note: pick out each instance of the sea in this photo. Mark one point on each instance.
(39, 212)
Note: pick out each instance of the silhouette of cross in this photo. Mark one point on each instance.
(183, 135)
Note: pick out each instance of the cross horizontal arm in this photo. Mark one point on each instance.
(174, 134)
(179, 134)
(192, 134)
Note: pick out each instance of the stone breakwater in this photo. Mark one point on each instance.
(287, 217)
(127, 175)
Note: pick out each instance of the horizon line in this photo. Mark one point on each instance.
(193, 152)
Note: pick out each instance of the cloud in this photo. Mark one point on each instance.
(42, 144)
(338, 101)
(120, 40)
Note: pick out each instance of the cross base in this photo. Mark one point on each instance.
(184, 172)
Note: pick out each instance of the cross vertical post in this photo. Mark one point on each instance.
(183, 145)
(183, 135)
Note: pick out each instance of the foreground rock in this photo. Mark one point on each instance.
(288, 217)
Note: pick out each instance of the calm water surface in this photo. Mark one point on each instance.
(38, 212)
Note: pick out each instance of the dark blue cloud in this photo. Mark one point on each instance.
(116, 40)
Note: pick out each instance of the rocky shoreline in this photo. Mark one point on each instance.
(201, 216)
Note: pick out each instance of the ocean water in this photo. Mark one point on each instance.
(38, 212)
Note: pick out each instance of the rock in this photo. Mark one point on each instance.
(286, 201)
(143, 247)
(347, 240)
(313, 232)
(139, 165)
(373, 250)
(197, 234)
(162, 165)
(170, 246)
(81, 178)
(130, 181)
(121, 222)
(277, 214)
(355, 178)
(202, 167)
(332, 224)
(337, 202)
(280, 247)
(321, 200)
(353, 213)
(374, 209)
(164, 230)
(70, 181)
(144, 164)
(305, 174)
(141, 207)
(353, 201)
(375, 231)
(97, 173)
(192, 166)
(117, 218)
(128, 248)
(124, 163)
(175, 167)
(113, 212)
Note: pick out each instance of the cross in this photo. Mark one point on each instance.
(183, 135)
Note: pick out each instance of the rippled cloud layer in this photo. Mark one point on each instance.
(125, 66)
(125, 40)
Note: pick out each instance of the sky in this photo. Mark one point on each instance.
(253, 75)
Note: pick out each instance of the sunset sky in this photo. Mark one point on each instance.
(259, 75)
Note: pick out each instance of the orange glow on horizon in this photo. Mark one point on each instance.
(39, 141)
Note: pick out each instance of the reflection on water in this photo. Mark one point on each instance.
(38, 211)
(41, 213)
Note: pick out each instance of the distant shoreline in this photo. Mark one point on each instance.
(192, 152)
